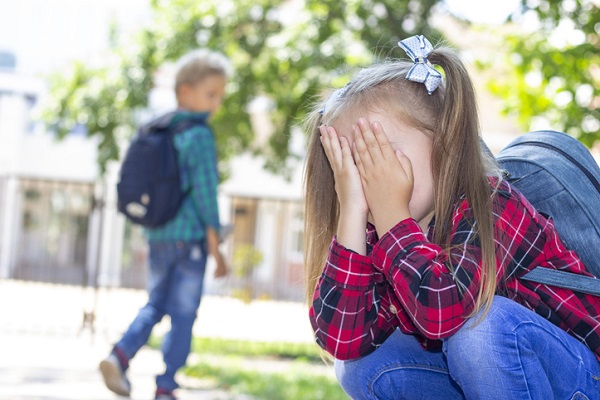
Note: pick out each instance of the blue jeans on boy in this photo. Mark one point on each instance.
(175, 284)
(512, 353)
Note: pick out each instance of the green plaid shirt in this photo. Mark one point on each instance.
(198, 168)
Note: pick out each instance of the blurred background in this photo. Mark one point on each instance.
(78, 76)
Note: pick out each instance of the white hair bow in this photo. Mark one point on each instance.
(335, 96)
(418, 48)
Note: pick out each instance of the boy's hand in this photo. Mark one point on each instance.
(213, 239)
(386, 175)
(221, 270)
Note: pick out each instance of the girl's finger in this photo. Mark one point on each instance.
(360, 149)
(384, 143)
(346, 152)
(329, 146)
(406, 164)
(325, 143)
(369, 138)
(357, 154)
(336, 149)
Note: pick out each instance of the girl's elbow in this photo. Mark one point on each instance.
(342, 352)
(435, 333)
(434, 336)
(342, 356)
(345, 352)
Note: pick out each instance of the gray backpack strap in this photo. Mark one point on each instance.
(568, 280)
(561, 179)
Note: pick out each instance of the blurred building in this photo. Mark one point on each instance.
(48, 210)
(58, 220)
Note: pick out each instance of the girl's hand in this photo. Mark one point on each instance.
(347, 179)
(386, 175)
(353, 205)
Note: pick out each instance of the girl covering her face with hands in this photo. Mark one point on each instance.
(415, 247)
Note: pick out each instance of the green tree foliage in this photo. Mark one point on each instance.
(289, 57)
(553, 72)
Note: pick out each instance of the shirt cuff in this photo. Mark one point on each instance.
(371, 234)
(398, 241)
(347, 268)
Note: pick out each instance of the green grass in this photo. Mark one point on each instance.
(294, 384)
(246, 348)
(232, 365)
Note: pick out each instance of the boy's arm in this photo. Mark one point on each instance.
(204, 178)
(204, 181)
(212, 238)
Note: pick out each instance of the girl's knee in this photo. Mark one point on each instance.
(486, 340)
(502, 318)
(360, 381)
(353, 378)
(399, 369)
(395, 381)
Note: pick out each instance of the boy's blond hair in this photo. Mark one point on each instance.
(196, 65)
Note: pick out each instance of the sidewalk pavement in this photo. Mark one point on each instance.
(66, 368)
(47, 353)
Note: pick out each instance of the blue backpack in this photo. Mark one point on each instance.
(149, 190)
(559, 176)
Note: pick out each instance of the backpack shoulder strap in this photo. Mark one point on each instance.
(187, 122)
(164, 123)
(157, 125)
(568, 280)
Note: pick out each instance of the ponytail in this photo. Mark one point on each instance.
(320, 206)
(459, 168)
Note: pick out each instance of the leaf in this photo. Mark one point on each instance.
(287, 58)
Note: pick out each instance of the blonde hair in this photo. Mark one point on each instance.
(197, 65)
(459, 164)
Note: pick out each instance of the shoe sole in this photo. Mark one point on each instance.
(112, 378)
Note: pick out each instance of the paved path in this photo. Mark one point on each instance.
(65, 368)
(46, 355)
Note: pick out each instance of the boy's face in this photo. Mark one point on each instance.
(204, 96)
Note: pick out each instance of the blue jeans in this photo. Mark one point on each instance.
(512, 353)
(175, 287)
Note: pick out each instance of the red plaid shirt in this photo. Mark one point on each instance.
(404, 281)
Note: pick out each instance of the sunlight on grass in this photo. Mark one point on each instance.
(263, 370)
(306, 351)
(295, 384)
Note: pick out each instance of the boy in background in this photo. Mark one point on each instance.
(179, 248)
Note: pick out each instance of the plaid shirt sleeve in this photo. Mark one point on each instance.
(346, 315)
(407, 282)
(201, 164)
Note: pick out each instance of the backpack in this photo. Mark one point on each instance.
(149, 191)
(561, 179)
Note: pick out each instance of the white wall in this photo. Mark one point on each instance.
(46, 34)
